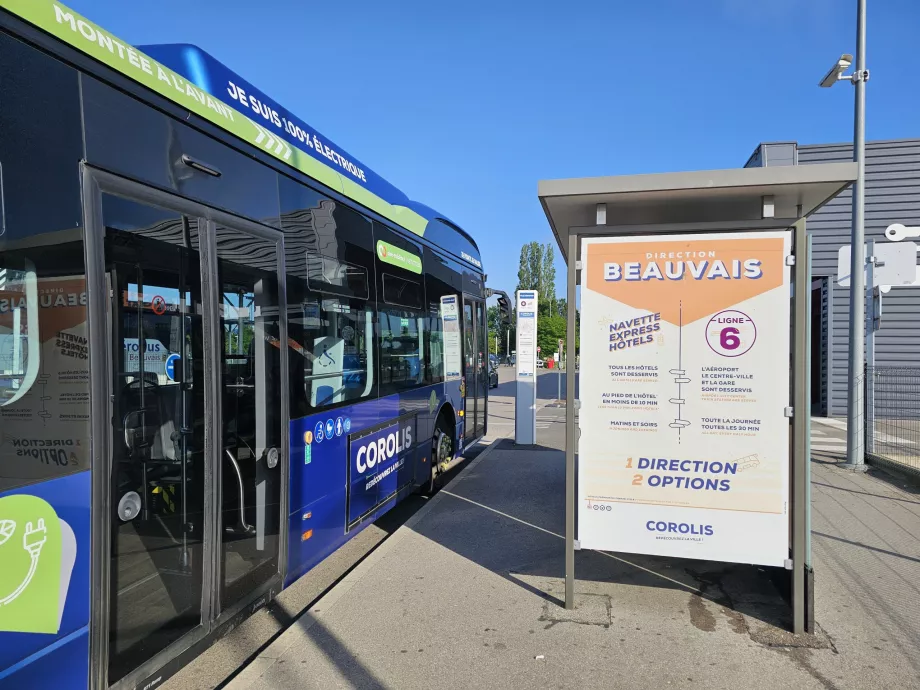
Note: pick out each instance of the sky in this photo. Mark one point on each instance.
(466, 105)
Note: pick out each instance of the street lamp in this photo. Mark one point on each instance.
(836, 73)
(856, 359)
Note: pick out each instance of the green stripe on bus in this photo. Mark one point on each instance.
(397, 256)
(74, 29)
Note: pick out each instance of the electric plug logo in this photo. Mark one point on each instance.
(38, 551)
(7, 527)
(32, 541)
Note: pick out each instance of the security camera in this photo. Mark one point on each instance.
(835, 73)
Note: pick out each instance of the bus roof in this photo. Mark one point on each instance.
(198, 82)
(210, 75)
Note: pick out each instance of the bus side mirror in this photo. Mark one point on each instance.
(504, 306)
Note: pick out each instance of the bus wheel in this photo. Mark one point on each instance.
(442, 452)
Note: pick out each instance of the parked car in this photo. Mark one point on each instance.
(493, 377)
(540, 363)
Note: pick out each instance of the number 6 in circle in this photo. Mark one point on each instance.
(729, 339)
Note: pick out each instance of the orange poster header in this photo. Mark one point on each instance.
(694, 275)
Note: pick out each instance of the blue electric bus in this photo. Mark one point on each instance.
(227, 346)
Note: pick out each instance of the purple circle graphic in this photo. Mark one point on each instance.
(731, 333)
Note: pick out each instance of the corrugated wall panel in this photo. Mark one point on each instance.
(892, 196)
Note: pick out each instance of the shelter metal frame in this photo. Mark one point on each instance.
(738, 200)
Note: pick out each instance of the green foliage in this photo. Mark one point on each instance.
(548, 282)
(562, 308)
(537, 271)
(550, 329)
(525, 280)
(535, 261)
(493, 315)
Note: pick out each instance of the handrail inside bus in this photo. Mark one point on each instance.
(369, 338)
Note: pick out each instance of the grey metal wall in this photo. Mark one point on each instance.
(892, 196)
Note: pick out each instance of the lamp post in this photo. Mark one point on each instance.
(856, 358)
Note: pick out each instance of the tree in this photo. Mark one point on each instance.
(549, 279)
(535, 260)
(525, 279)
(496, 328)
(537, 271)
(550, 330)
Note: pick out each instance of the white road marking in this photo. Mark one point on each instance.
(828, 449)
(827, 421)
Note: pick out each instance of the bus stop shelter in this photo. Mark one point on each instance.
(713, 201)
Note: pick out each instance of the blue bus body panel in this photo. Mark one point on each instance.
(63, 665)
(49, 659)
(324, 514)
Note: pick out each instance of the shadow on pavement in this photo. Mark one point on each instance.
(507, 388)
(864, 493)
(507, 515)
(547, 386)
(887, 552)
(284, 674)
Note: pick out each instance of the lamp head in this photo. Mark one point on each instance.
(836, 72)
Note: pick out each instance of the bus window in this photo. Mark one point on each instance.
(338, 360)
(330, 338)
(434, 371)
(442, 279)
(402, 357)
(44, 352)
(20, 355)
(402, 325)
(44, 368)
(329, 262)
(401, 311)
(337, 330)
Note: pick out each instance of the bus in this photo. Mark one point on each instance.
(227, 347)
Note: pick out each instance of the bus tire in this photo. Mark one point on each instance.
(442, 450)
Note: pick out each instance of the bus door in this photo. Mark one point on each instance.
(251, 429)
(195, 445)
(476, 370)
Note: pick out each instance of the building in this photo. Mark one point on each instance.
(892, 196)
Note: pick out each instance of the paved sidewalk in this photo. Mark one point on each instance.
(466, 594)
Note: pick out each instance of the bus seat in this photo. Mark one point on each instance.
(142, 421)
(167, 440)
(324, 395)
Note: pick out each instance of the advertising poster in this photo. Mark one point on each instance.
(684, 443)
(453, 359)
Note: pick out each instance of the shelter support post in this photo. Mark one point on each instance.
(873, 300)
(809, 569)
(800, 423)
(570, 430)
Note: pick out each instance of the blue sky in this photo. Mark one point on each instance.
(466, 105)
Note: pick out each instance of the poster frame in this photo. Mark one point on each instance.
(798, 562)
(769, 520)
